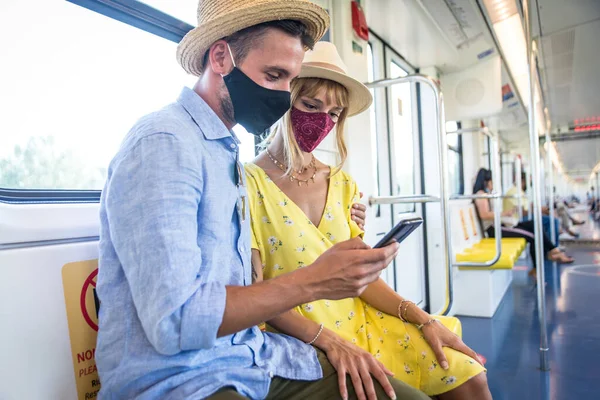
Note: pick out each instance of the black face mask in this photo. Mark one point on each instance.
(254, 107)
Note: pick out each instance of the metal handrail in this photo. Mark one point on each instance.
(519, 183)
(497, 196)
(534, 153)
(493, 195)
(442, 151)
(411, 199)
(484, 196)
(597, 192)
(550, 188)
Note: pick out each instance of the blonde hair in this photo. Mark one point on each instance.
(310, 87)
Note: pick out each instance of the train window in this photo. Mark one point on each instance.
(72, 98)
(451, 138)
(403, 144)
(455, 161)
(455, 168)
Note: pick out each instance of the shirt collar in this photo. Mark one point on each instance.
(209, 123)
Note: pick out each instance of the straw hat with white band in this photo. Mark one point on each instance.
(325, 62)
(218, 19)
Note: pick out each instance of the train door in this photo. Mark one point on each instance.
(396, 170)
(405, 177)
(381, 223)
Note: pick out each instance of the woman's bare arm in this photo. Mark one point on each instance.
(382, 297)
(379, 295)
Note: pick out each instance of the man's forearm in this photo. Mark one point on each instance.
(247, 306)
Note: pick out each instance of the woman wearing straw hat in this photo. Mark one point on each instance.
(301, 207)
(179, 311)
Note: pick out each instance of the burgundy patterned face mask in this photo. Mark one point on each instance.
(310, 128)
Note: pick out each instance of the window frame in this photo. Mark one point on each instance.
(130, 12)
(139, 15)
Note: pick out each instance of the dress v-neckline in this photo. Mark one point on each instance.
(327, 199)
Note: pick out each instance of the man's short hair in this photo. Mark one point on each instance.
(242, 41)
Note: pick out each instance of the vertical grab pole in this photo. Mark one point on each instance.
(495, 160)
(519, 183)
(528, 195)
(550, 168)
(534, 151)
(444, 193)
(597, 194)
(597, 199)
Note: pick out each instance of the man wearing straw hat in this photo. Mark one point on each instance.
(178, 312)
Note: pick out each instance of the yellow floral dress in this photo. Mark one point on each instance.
(288, 240)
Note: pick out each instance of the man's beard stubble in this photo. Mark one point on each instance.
(226, 105)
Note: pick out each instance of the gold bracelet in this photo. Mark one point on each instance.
(400, 311)
(318, 334)
(408, 303)
(431, 321)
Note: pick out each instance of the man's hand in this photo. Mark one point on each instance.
(346, 269)
(349, 359)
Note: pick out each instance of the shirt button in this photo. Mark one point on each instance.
(232, 145)
(242, 250)
(271, 374)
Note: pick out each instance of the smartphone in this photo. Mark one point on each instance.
(400, 231)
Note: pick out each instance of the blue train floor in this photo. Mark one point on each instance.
(511, 339)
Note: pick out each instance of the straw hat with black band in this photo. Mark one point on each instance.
(218, 19)
(325, 62)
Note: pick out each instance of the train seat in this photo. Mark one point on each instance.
(452, 323)
(474, 247)
(506, 261)
(478, 291)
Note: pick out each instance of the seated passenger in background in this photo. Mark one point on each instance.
(483, 184)
(566, 219)
(300, 207)
(511, 203)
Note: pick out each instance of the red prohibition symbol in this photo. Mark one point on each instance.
(89, 284)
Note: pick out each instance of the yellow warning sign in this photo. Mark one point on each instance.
(79, 284)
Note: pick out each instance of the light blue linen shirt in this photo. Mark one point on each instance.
(171, 239)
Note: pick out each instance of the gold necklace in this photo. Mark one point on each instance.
(281, 166)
